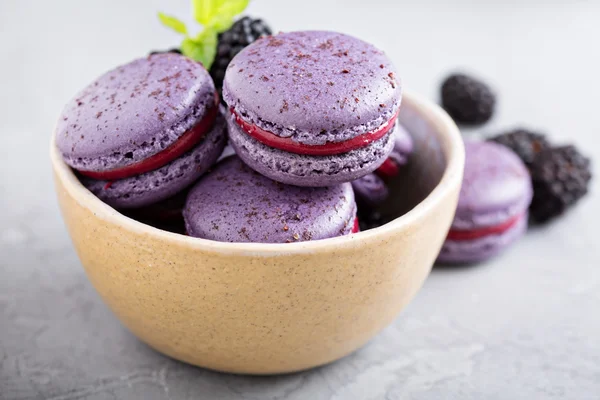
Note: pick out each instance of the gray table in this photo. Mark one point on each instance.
(523, 326)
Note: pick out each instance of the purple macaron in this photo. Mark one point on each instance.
(143, 131)
(492, 208)
(312, 108)
(233, 203)
(370, 190)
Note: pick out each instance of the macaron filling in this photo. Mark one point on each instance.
(185, 143)
(331, 148)
(472, 234)
(388, 169)
(356, 226)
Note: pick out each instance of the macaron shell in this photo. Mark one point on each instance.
(472, 251)
(133, 112)
(370, 190)
(233, 203)
(311, 171)
(313, 86)
(403, 146)
(496, 186)
(158, 185)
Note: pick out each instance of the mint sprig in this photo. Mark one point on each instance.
(215, 16)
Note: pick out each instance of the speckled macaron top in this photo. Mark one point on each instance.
(233, 203)
(496, 186)
(133, 112)
(313, 86)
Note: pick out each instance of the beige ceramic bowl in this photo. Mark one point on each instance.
(271, 308)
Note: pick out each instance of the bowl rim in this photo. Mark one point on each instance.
(451, 144)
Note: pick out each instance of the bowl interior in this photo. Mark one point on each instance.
(424, 170)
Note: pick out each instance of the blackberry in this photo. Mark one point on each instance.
(467, 100)
(174, 50)
(242, 33)
(526, 144)
(560, 178)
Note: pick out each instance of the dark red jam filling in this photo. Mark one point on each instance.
(459, 235)
(185, 143)
(388, 169)
(356, 226)
(328, 149)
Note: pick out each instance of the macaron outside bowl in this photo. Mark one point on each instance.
(270, 308)
(493, 205)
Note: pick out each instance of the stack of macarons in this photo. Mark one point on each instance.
(312, 111)
(307, 114)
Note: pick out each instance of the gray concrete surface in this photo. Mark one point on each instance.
(523, 326)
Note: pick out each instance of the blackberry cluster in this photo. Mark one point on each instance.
(242, 33)
(560, 177)
(467, 100)
(526, 144)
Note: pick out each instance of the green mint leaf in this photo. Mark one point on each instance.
(203, 48)
(191, 49)
(209, 44)
(220, 23)
(173, 23)
(205, 10)
(231, 8)
(217, 13)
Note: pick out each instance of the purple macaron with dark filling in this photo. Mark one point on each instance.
(492, 208)
(233, 203)
(143, 131)
(312, 108)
